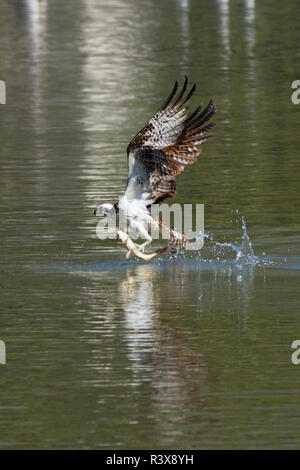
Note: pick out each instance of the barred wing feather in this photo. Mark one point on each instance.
(165, 145)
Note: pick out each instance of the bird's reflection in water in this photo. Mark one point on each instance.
(157, 349)
(157, 315)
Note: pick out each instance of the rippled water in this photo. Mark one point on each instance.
(190, 351)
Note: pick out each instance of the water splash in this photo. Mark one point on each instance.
(246, 252)
(239, 253)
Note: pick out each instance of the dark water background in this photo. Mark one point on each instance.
(180, 353)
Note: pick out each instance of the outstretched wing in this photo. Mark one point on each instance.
(165, 145)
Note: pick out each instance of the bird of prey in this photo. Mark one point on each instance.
(156, 155)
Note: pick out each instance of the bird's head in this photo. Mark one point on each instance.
(104, 210)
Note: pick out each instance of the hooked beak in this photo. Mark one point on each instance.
(99, 212)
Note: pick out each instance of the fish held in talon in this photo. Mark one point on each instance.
(155, 156)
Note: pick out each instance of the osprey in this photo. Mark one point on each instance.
(156, 155)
